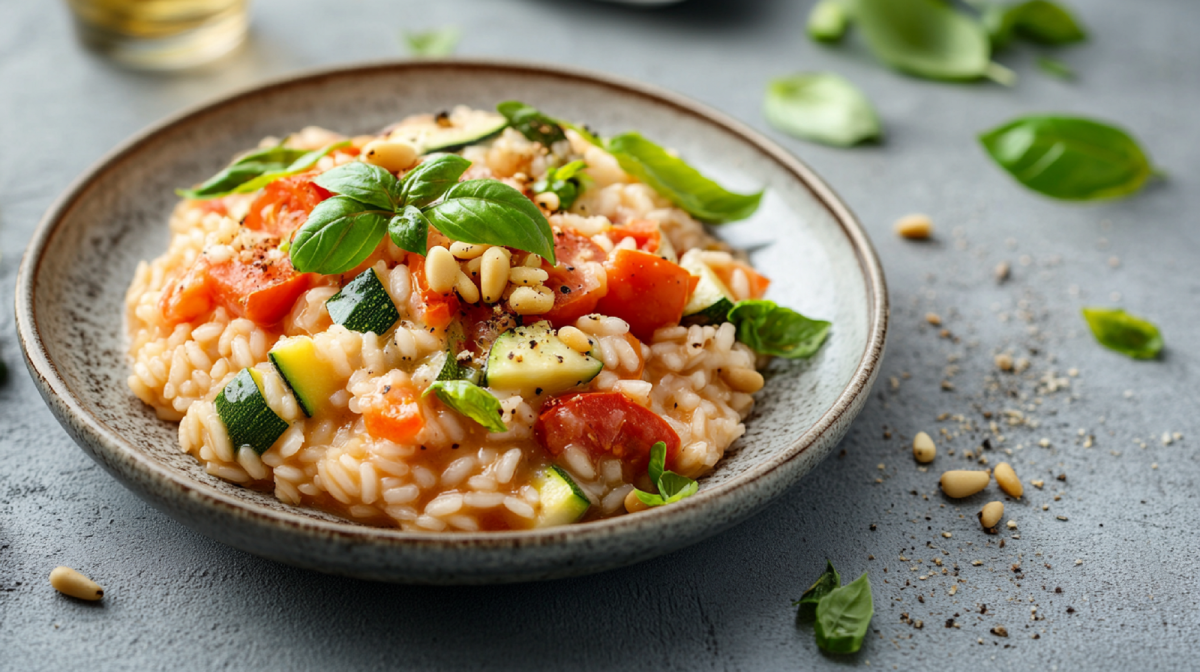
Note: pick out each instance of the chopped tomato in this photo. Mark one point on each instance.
(261, 291)
(576, 287)
(605, 423)
(187, 297)
(646, 291)
(216, 205)
(644, 232)
(284, 205)
(435, 309)
(482, 325)
(758, 282)
(395, 415)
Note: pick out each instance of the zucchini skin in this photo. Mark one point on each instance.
(248, 419)
(363, 305)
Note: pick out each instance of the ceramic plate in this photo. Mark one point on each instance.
(73, 279)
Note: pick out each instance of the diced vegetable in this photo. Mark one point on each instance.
(363, 305)
(605, 423)
(311, 379)
(535, 362)
(711, 300)
(243, 409)
(576, 287)
(261, 291)
(284, 205)
(444, 134)
(562, 502)
(395, 415)
(646, 291)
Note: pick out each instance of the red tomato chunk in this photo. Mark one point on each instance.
(605, 423)
(646, 291)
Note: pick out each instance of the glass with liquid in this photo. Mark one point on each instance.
(161, 34)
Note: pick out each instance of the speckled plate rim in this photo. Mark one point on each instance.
(756, 487)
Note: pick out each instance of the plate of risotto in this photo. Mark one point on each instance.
(453, 322)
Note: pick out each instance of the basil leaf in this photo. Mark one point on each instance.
(436, 43)
(565, 182)
(1055, 67)
(471, 400)
(569, 170)
(827, 21)
(301, 164)
(1071, 158)
(409, 230)
(532, 124)
(821, 106)
(340, 233)
(926, 38)
(771, 329)
(244, 168)
(1127, 334)
(1039, 21)
(364, 182)
(828, 582)
(658, 461)
(490, 212)
(843, 617)
(427, 182)
(674, 179)
(672, 487)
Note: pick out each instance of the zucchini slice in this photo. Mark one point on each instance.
(533, 361)
(363, 305)
(247, 417)
(711, 301)
(443, 133)
(312, 380)
(562, 500)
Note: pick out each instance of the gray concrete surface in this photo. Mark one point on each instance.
(1124, 554)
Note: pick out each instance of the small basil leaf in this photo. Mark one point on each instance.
(658, 461)
(531, 123)
(471, 400)
(364, 182)
(771, 329)
(569, 170)
(843, 616)
(821, 106)
(427, 182)
(1055, 67)
(436, 43)
(340, 233)
(409, 230)
(301, 164)
(566, 188)
(1070, 158)
(490, 212)
(1038, 21)
(926, 38)
(649, 498)
(674, 179)
(828, 582)
(1127, 334)
(828, 20)
(674, 487)
(256, 169)
(224, 182)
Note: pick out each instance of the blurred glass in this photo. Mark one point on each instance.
(161, 34)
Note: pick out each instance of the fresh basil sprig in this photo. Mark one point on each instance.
(471, 400)
(843, 616)
(828, 582)
(672, 487)
(1040, 21)
(257, 169)
(566, 182)
(1127, 334)
(1070, 158)
(828, 20)
(341, 232)
(771, 329)
(821, 106)
(534, 125)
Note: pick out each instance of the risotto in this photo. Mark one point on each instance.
(472, 320)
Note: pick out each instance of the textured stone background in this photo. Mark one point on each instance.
(179, 601)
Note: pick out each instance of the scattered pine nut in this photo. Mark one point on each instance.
(914, 227)
(1003, 270)
(633, 504)
(1000, 631)
(1007, 479)
(548, 200)
(924, 450)
(933, 318)
(1004, 362)
(961, 483)
(990, 516)
(1012, 524)
(390, 155)
(1038, 484)
(70, 582)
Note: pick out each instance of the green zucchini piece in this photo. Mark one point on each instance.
(363, 305)
(532, 360)
(312, 380)
(562, 500)
(248, 419)
(441, 134)
(711, 301)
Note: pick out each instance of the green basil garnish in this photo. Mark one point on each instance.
(566, 182)
(436, 43)
(429, 181)
(257, 169)
(471, 400)
(1127, 334)
(828, 582)
(674, 179)
(821, 106)
(843, 616)
(1070, 158)
(364, 182)
(672, 487)
(771, 329)
(1038, 21)
(340, 233)
(532, 124)
(409, 230)
(489, 212)
(828, 20)
(1055, 68)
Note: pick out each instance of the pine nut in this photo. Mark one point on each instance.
(1004, 362)
(441, 270)
(532, 261)
(914, 227)
(462, 250)
(548, 200)
(744, 380)
(633, 504)
(531, 300)
(527, 276)
(1007, 479)
(575, 339)
(70, 582)
(493, 274)
(466, 289)
(924, 449)
(990, 516)
(390, 155)
(963, 483)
